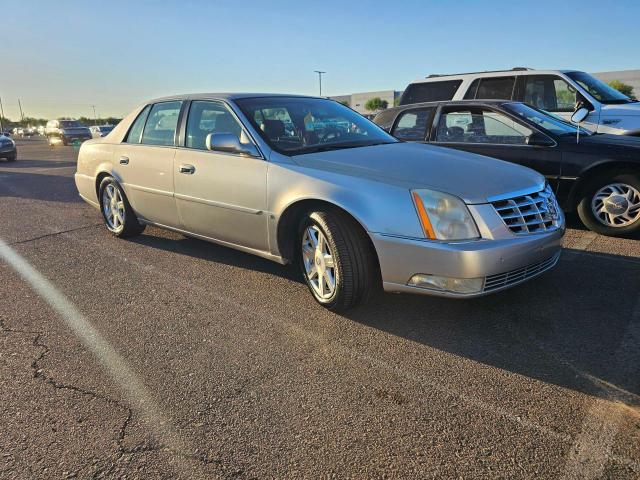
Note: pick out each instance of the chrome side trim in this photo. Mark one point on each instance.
(213, 203)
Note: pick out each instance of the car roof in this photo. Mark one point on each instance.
(486, 74)
(226, 96)
(478, 101)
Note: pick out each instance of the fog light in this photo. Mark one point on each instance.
(447, 284)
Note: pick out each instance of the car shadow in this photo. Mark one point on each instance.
(574, 326)
(571, 327)
(25, 163)
(37, 186)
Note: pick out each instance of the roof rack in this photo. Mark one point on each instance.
(514, 69)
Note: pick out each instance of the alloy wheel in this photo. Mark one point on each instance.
(318, 262)
(113, 207)
(616, 205)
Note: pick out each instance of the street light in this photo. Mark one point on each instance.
(320, 79)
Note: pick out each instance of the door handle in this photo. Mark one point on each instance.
(124, 160)
(187, 169)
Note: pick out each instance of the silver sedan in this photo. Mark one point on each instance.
(308, 180)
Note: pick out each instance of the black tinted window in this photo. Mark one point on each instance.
(135, 132)
(500, 88)
(412, 124)
(430, 91)
(160, 128)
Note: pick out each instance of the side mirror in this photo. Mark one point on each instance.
(228, 142)
(538, 140)
(580, 115)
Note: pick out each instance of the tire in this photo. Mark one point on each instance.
(12, 158)
(355, 270)
(619, 186)
(122, 228)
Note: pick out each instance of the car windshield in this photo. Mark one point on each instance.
(299, 125)
(544, 120)
(70, 123)
(598, 89)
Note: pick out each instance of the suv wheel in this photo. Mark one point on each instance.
(611, 205)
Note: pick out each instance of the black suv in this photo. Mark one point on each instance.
(597, 174)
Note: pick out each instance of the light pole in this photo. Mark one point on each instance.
(21, 114)
(95, 117)
(1, 116)
(320, 79)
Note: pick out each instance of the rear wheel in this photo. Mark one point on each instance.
(337, 261)
(116, 210)
(611, 205)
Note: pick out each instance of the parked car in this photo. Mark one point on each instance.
(98, 131)
(66, 131)
(560, 92)
(8, 150)
(18, 131)
(355, 208)
(597, 174)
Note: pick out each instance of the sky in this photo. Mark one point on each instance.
(61, 57)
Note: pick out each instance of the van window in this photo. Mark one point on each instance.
(412, 124)
(550, 93)
(497, 88)
(430, 91)
(160, 128)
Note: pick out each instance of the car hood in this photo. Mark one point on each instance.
(473, 178)
(609, 146)
(621, 110)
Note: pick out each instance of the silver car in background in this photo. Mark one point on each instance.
(308, 180)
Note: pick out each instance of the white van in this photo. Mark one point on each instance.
(560, 92)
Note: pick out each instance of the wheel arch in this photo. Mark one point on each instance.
(587, 176)
(289, 219)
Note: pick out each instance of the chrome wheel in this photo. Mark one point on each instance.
(318, 262)
(113, 207)
(616, 205)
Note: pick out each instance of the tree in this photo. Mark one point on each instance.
(622, 87)
(376, 103)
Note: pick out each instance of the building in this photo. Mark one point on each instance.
(357, 101)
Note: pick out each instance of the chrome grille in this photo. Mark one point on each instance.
(500, 280)
(533, 213)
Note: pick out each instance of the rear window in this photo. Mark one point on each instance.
(497, 88)
(430, 92)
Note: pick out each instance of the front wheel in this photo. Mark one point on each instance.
(611, 205)
(337, 260)
(116, 210)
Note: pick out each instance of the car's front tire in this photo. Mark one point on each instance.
(337, 260)
(610, 205)
(116, 210)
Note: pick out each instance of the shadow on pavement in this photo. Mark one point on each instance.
(570, 323)
(36, 186)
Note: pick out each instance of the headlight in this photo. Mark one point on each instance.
(444, 216)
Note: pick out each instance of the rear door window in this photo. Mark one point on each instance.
(413, 124)
(160, 128)
(430, 91)
(135, 132)
(496, 88)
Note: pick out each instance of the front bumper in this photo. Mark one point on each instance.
(502, 263)
(8, 152)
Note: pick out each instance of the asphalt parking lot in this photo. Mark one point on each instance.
(252, 379)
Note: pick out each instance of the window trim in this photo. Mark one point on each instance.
(436, 120)
(126, 137)
(184, 118)
(428, 125)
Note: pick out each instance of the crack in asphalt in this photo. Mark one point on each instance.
(122, 450)
(53, 234)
